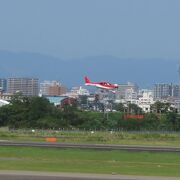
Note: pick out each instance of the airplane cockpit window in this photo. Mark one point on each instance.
(105, 83)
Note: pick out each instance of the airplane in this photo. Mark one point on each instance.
(102, 85)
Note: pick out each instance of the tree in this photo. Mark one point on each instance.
(134, 108)
(151, 121)
(172, 121)
(160, 107)
(90, 120)
(119, 107)
(4, 115)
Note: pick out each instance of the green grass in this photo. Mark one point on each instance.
(100, 137)
(89, 161)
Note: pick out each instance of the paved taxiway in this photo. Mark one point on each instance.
(27, 175)
(92, 146)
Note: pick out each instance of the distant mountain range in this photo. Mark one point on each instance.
(144, 72)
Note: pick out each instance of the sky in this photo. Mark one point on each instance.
(81, 28)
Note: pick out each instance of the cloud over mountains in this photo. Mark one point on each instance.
(144, 72)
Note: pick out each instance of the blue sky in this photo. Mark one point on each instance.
(79, 28)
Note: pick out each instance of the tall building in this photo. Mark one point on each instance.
(51, 88)
(3, 85)
(167, 92)
(162, 91)
(27, 86)
(176, 91)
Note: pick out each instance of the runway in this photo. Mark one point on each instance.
(91, 146)
(28, 175)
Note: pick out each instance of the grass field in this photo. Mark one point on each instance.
(100, 137)
(89, 161)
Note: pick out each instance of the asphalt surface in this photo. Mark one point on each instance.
(27, 175)
(92, 146)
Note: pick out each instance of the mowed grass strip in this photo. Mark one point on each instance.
(97, 137)
(89, 161)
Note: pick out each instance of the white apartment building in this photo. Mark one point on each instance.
(146, 100)
(130, 94)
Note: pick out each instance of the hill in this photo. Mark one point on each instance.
(144, 72)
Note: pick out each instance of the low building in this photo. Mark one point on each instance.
(52, 88)
(3, 102)
(77, 91)
(56, 89)
(60, 101)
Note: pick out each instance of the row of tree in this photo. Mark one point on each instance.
(38, 112)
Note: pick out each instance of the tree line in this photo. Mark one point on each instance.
(38, 112)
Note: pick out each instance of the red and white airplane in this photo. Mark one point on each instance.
(102, 85)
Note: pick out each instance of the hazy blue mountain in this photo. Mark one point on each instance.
(144, 72)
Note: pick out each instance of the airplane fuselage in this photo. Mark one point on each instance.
(102, 85)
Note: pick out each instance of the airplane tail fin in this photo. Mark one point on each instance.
(87, 80)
